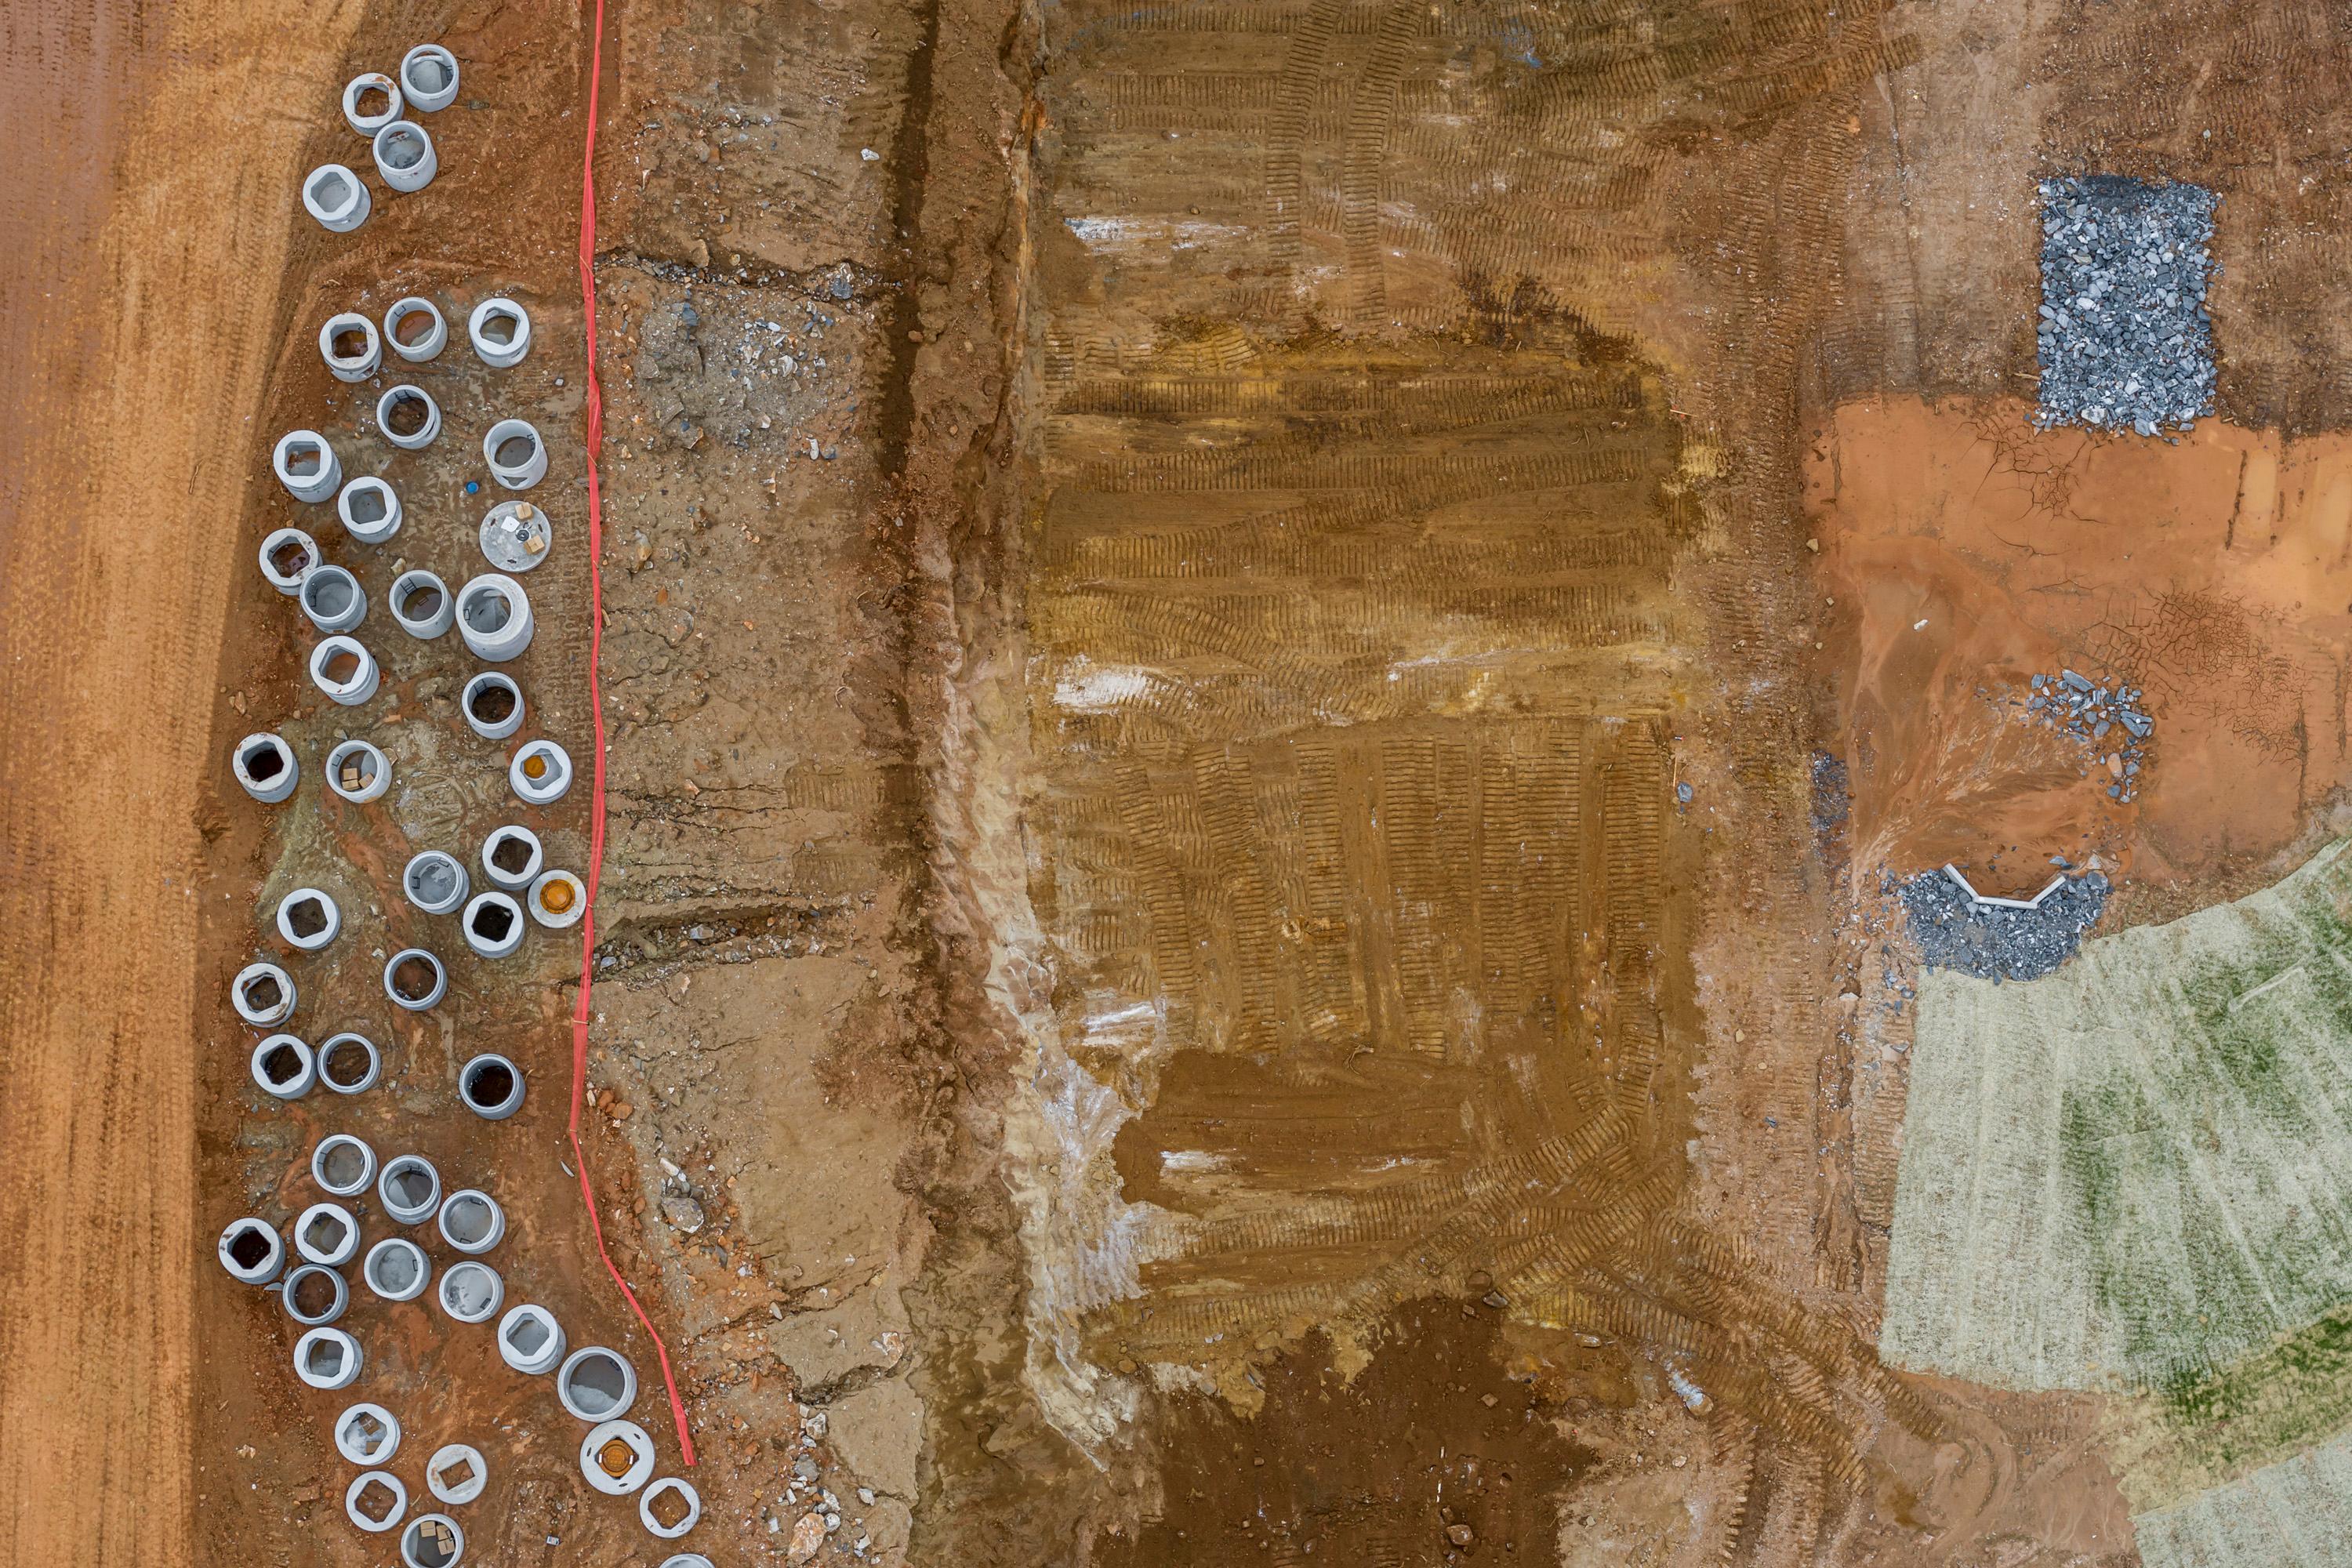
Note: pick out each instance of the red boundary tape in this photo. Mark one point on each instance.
(596, 707)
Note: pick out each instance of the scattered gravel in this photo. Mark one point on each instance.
(2126, 341)
(1956, 931)
(2107, 719)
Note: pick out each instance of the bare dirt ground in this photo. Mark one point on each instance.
(1236, 642)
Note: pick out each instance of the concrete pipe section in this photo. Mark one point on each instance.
(308, 919)
(357, 770)
(328, 1235)
(515, 535)
(492, 704)
(342, 1165)
(471, 1292)
(617, 1457)
(307, 466)
(284, 1066)
(457, 1473)
(367, 1434)
(494, 617)
(335, 196)
(688, 1560)
(517, 456)
(541, 773)
(349, 1063)
(404, 157)
(253, 1253)
(472, 1222)
(344, 671)
(596, 1384)
(558, 899)
(500, 332)
(494, 924)
(491, 1087)
(334, 600)
(410, 1189)
(265, 768)
(435, 881)
(669, 1508)
(428, 77)
(397, 1270)
(414, 979)
(408, 417)
(375, 1502)
(529, 1340)
(315, 1295)
(348, 344)
(287, 556)
(370, 510)
(327, 1358)
(415, 329)
(263, 993)
(423, 605)
(432, 1540)
(512, 857)
(370, 102)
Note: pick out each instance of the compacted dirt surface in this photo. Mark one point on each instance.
(1263, 669)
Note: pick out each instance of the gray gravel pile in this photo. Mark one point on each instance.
(2108, 720)
(2126, 342)
(1956, 931)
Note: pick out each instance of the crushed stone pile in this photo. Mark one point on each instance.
(2107, 719)
(1956, 931)
(2126, 341)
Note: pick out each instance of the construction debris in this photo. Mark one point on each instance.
(1999, 940)
(2108, 720)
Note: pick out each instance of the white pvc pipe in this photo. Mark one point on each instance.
(307, 466)
(494, 617)
(596, 1383)
(340, 1073)
(370, 510)
(253, 1252)
(357, 770)
(333, 599)
(617, 1457)
(471, 1221)
(471, 1292)
(284, 1068)
(432, 1540)
(397, 1270)
(428, 76)
(263, 993)
(414, 979)
(409, 1188)
(304, 1282)
(494, 924)
(436, 336)
(327, 1358)
(515, 471)
(328, 1235)
(335, 196)
(457, 1473)
(342, 1165)
(479, 702)
(348, 344)
(367, 1434)
(512, 856)
(558, 899)
(308, 919)
(428, 427)
(368, 122)
(423, 605)
(404, 157)
(265, 768)
(435, 881)
(344, 671)
(500, 330)
(646, 1517)
(364, 1485)
(491, 1086)
(541, 773)
(529, 1340)
(287, 556)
